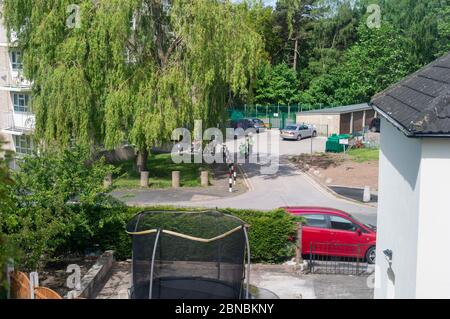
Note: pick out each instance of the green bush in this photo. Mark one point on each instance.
(272, 234)
(6, 203)
(57, 195)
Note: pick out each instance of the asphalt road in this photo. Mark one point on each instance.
(288, 186)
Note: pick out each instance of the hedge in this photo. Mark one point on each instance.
(272, 234)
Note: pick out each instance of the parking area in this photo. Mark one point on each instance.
(270, 142)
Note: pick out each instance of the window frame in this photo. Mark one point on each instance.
(325, 219)
(356, 226)
(23, 144)
(15, 65)
(26, 98)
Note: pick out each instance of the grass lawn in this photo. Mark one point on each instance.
(364, 155)
(160, 168)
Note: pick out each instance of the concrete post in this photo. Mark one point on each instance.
(352, 123)
(176, 179)
(367, 195)
(205, 178)
(144, 179)
(108, 181)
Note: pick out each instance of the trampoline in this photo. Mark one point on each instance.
(189, 255)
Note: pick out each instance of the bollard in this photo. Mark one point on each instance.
(205, 178)
(108, 181)
(234, 174)
(367, 195)
(230, 182)
(176, 179)
(144, 179)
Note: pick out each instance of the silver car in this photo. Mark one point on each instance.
(298, 132)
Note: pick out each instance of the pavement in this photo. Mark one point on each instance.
(286, 283)
(356, 194)
(281, 280)
(170, 196)
(287, 187)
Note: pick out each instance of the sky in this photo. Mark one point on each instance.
(266, 2)
(269, 2)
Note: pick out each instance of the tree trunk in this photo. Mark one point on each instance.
(295, 54)
(141, 163)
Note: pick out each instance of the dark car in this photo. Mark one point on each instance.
(259, 125)
(242, 123)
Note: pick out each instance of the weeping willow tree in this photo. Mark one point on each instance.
(109, 72)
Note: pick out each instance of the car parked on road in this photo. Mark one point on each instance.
(259, 125)
(250, 123)
(298, 132)
(346, 236)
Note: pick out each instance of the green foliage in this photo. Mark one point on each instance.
(362, 155)
(370, 66)
(421, 23)
(276, 85)
(107, 83)
(7, 252)
(54, 195)
(6, 249)
(160, 169)
(271, 234)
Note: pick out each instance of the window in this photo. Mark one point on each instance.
(340, 223)
(16, 60)
(318, 221)
(21, 102)
(24, 144)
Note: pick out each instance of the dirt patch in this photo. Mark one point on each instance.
(54, 276)
(339, 170)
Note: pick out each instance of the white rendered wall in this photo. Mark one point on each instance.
(398, 213)
(433, 259)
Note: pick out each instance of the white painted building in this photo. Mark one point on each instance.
(413, 248)
(16, 117)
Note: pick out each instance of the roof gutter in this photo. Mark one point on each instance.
(404, 130)
(392, 121)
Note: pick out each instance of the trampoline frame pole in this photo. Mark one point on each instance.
(150, 293)
(131, 293)
(247, 293)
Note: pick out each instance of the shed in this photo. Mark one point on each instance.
(347, 119)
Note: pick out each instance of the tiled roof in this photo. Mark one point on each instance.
(340, 109)
(419, 105)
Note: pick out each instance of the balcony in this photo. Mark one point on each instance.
(13, 81)
(17, 123)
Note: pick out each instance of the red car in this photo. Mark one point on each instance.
(331, 232)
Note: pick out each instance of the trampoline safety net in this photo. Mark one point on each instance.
(188, 255)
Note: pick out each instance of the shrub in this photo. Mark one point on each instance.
(271, 234)
(55, 194)
(6, 203)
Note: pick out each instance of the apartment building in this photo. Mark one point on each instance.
(17, 121)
